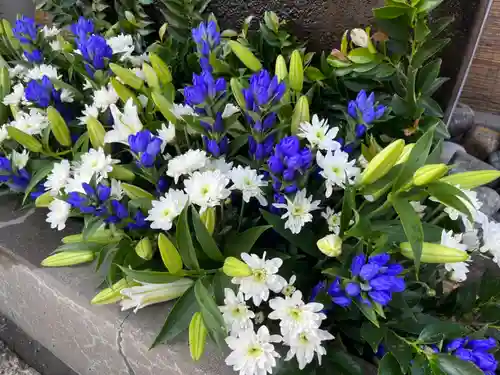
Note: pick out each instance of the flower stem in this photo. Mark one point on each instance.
(438, 219)
(240, 219)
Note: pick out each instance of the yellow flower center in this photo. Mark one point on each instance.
(166, 212)
(303, 338)
(295, 313)
(254, 351)
(204, 190)
(260, 275)
(297, 211)
(336, 170)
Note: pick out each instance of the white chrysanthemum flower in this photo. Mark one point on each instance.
(149, 294)
(16, 96)
(166, 134)
(74, 183)
(32, 123)
(298, 211)
(105, 97)
(207, 189)
(186, 164)
(219, 164)
(337, 170)
(295, 315)
(121, 44)
(4, 134)
(363, 163)
(473, 208)
(50, 32)
(56, 45)
(332, 219)
(125, 124)
(304, 344)
(237, 316)
(18, 71)
(136, 60)
(116, 189)
(38, 71)
(179, 110)
(88, 112)
(19, 159)
(458, 271)
(67, 96)
(96, 163)
(87, 85)
(165, 210)
(229, 110)
(58, 214)
(319, 134)
(253, 353)
(58, 177)
(491, 239)
(289, 288)
(419, 208)
(249, 183)
(264, 277)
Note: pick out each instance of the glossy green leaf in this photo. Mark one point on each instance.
(399, 349)
(427, 50)
(204, 238)
(152, 277)
(427, 75)
(185, 242)
(428, 5)
(361, 56)
(344, 362)
(39, 175)
(372, 334)
(450, 196)
(238, 243)
(451, 365)
(389, 366)
(368, 312)
(436, 332)
(210, 312)
(390, 12)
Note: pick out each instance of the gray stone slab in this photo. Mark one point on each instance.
(10, 364)
(449, 150)
(490, 199)
(52, 306)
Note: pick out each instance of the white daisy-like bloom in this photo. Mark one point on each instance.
(74, 183)
(166, 134)
(137, 60)
(105, 97)
(229, 110)
(295, 315)
(289, 288)
(207, 189)
(253, 353)
(58, 214)
(146, 294)
(125, 123)
(473, 208)
(38, 71)
(298, 211)
(237, 316)
(219, 164)
(143, 99)
(319, 134)
(88, 112)
(165, 210)
(4, 134)
(58, 177)
(264, 278)
(121, 44)
(16, 96)
(458, 271)
(87, 85)
(179, 110)
(305, 344)
(67, 96)
(50, 32)
(19, 159)
(419, 208)
(332, 219)
(491, 239)
(96, 163)
(186, 163)
(363, 163)
(18, 71)
(32, 123)
(249, 182)
(337, 170)
(56, 45)
(116, 189)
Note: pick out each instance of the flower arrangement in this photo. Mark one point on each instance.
(219, 192)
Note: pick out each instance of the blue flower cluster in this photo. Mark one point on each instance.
(365, 111)
(207, 38)
(41, 92)
(26, 32)
(17, 180)
(215, 143)
(94, 48)
(476, 351)
(146, 147)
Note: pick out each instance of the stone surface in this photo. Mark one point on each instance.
(481, 141)
(89, 339)
(449, 150)
(10, 364)
(490, 120)
(494, 159)
(490, 199)
(461, 120)
(463, 162)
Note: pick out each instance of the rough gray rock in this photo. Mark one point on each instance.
(10, 364)
(490, 199)
(449, 150)
(461, 120)
(481, 141)
(494, 159)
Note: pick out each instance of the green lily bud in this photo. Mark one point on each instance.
(24, 139)
(164, 106)
(245, 55)
(134, 192)
(296, 76)
(236, 268)
(237, 90)
(151, 77)
(101, 236)
(197, 336)
(429, 173)
(280, 69)
(208, 219)
(122, 173)
(44, 200)
(144, 249)
(330, 245)
(382, 163)
(405, 155)
(112, 294)
(169, 254)
(300, 113)
(96, 132)
(127, 76)
(472, 179)
(162, 70)
(68, 258)
(434, 253)
(4, 81)
(124, 93)
(58, 127)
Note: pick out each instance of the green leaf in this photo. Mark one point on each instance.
(238, 243)
(210, 312)
(348, 207)
(432, 108)
(314, 74)
(451, 365)
(399, 349)
(91, 226)
(204, 238)
(436, 85)
(450, 196)
(237, 143)
(427, 75)
(372, 335)
(427, 50)
(440, 25)
(179, 318)
(389, 366)
(368, 312)
(421, 29)
(135, 192)
(428, 5)
(436, 332)
(40, 174)
(411, 225)
(361, 56)
(185, 242)
(152, 277)
(345, 362)
(390, 12)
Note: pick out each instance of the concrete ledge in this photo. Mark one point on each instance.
(52, 306)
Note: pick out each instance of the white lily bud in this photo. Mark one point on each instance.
(330, 245)
(360, 38)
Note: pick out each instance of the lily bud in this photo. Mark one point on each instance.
(360, 38)
(44, 200)
(429, 173)
(24, 139)
(58, 127)
(68, 258)
(112, 294)
(236, 268)
(162, 70)
(124, 93)
(96, 132)
(197, 336)
(164, 106)
(405, 155)
(296, 75)
(122, 173)
(101, 236)
(237, 90)
(127, 76)
(330, 245)
(280, 70)
(300, 113)
(208, 219)
(169, 254)
(472, 179)
(245, 55)
(382, 163)
(434, 253)
(151, 77)
(144, 249)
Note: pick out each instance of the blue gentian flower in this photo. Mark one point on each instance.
(25, 30)
(261, 150)
(206, 37)
(263, 91)
(139, 222)
(337, 294)
(95, 50)
(16, 180)
(146, 147)
(34, 57)
(476, 351)
(216, 147)
(162, 185)
(39, 92)
(82, 28)
(119, 212)
(365, 111)
(37, 191)
(205, 88)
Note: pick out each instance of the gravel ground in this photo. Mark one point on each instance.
(10, 364)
